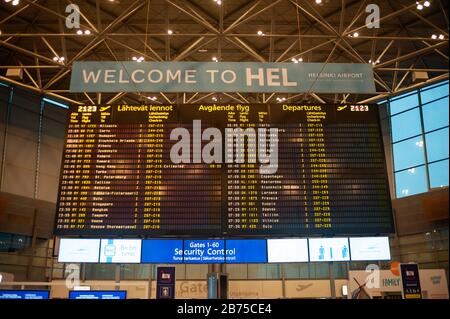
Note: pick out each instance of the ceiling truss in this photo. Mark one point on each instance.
(34, 33)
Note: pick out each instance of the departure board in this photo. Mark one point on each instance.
(306, 170)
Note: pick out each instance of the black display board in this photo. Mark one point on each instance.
(117, 177)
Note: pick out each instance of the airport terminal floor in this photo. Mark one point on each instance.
(228, 150)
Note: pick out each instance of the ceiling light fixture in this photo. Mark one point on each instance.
(441, 37)
(434, 36)
(260, 33)
(419, 6)
(318, 1)
(355, 34)
(426, 3)
(87, 32)
(58, 59)
(169, 32)
(140, 59)
(215, 59)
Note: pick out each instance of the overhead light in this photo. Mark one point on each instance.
(8, 1)
(426, 3)
(297, 60)
(169, 32)
(318, 1)
(203, 50)
(214, 98)
(441, 37)
(58, 59)
(434, 36)
(281, 99)
(419, 6)
(355, 34)
(15, 2)
(152, 98)
(86, 32)
(215, 59)
(370, 61)
(260, 32)
(300, 59)
(140, 59)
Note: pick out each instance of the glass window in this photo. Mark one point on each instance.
(438, 174)
(435, 114)
(319, 270)
(411, 181)
(434, 93)
(408, 153)
(100, 271)
(437, 145)
(405, 125)
(403, 103)
(264, 271)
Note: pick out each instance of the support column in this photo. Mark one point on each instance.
(217, 282)
(117, 277)
(332, 280)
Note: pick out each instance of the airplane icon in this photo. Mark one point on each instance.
(340, 108)
(102, 109)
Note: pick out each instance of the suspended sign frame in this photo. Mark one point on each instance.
(254, 77)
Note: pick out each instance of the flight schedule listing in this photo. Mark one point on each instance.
(223, 170)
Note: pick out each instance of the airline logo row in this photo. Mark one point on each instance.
(208, 251)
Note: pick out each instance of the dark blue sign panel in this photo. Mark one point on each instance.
(113, 294)
(246, 251)
(410, 281)
(162, 251)
(207, 251)
(165, 275)
(24, 294)
(165, 283)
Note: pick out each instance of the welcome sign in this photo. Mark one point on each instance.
(131, 76)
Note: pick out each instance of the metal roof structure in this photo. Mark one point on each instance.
(34, 37)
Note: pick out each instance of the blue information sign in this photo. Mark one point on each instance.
(24, 294)
(205, 251)
(113, 294)
(246, 251)
(162, 251)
